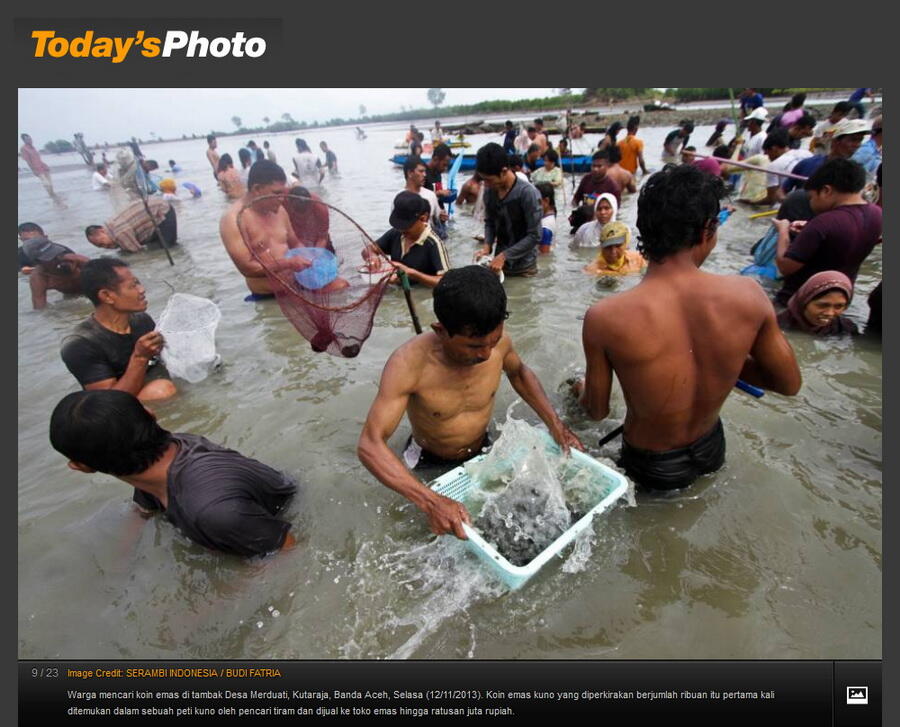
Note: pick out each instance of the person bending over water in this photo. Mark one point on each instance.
(817, 306)
(49, 266)
(446, 382)
(699, 333)
(117, 347)
(215, 496)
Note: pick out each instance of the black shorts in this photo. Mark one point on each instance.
(675, 468)
(415, 456)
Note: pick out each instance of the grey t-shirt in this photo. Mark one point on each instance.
(223, 500)
(515, 223)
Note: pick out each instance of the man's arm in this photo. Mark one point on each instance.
(631, 186)
(786, 266)
(132, 381)
(397, 384)
(490, 233)
(598, 374)
(640, 156)
(240, 255)
(771, 363)
(38, 283)
(528, 386)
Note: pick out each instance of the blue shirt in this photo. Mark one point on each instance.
(509, 141)
(752, 102)
(869, 155)
(857, 95)
(805, 168)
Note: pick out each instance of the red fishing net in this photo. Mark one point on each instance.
(330, 294)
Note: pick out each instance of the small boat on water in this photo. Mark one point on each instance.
(659, 106)
(580, 163)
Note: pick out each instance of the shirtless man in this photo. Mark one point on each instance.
(212, 154)
(446, 381)
(267, 226)
(699, 333)
(49, 266)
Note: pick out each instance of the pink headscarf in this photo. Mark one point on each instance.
(819, 283)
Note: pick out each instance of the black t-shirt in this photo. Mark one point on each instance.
(94, 353)
(795, 207)
(674, 136)
(429, 256)
(223, 500)
(433, 181)
(330, 159)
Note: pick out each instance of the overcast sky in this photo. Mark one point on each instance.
(107, 114)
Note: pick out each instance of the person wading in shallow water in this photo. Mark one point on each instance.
(446, 382)
(698, 333)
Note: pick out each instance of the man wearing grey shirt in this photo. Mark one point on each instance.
(512, 215)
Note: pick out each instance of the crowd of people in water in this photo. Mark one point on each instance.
(699, 333)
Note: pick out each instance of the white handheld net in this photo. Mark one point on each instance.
(188, 325)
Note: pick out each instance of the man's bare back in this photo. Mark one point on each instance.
(677, 345)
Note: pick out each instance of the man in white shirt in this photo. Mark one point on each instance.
(99, 180)
(755, 121)
(781, 159)
(414, 171)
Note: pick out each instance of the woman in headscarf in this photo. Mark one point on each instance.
(605, 210)
(817, 306)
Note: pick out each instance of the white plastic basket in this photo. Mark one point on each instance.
(457, 483)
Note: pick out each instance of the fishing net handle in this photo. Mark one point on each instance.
(286, 284)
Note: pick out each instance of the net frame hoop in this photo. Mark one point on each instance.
(286, 285)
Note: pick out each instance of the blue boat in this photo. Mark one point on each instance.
(581, 163)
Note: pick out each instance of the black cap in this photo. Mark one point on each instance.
(408, 207)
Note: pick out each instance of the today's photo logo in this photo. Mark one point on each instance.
(174, 43)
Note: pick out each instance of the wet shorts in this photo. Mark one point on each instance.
(675, 468)
(414, 456)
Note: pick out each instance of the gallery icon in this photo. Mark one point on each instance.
(857, 695)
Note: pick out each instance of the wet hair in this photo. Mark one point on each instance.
(491, 159)
(441, 151)
(265, 172)
(470, 301)
(531, 128)
(548, 193)
(842, 107)
(806, 120)
(302, 145)
(844, 175)
(690, 148)
(615, 154)
(532, 149)
(779, 137)
(30, 227)
(687, 125)
(797, 100)
(410, 165)
(579, 216)
(633, 123)
(266, 144)
(109, 431)
(251, 144)
(539, 120)
(171, 162)
(552, 156)
(100, 274)
(602, 154)
(26, 136)
(614, 128)
(91, 229)
(245, 156)
(150, 164)
(722, 152)
(225, 161)
(675, 207)
(101, 167)
(515, 161)
(211, 137)
(508, 124)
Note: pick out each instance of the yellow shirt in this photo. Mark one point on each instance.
(634, 262)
